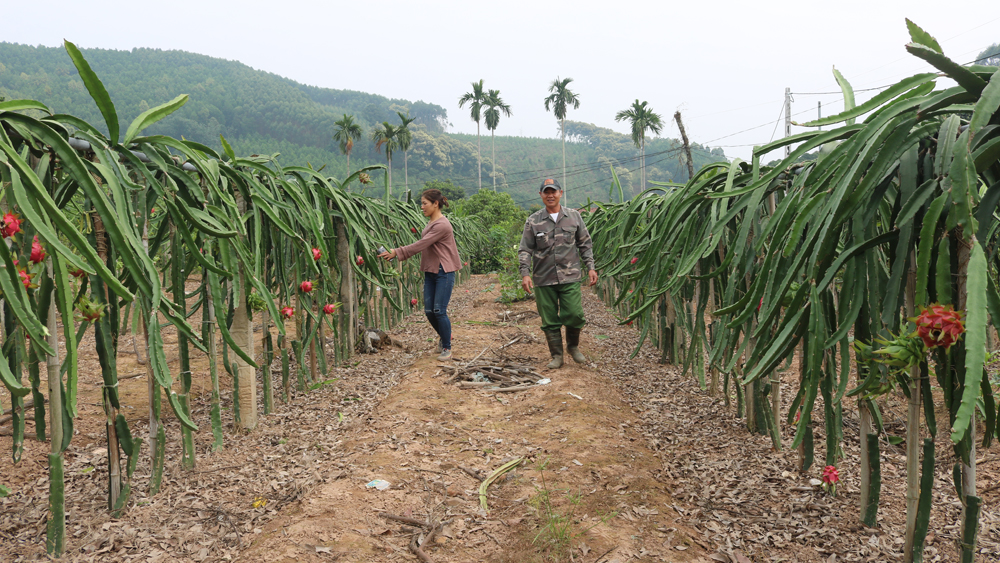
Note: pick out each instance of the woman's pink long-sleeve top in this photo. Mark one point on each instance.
(437, 247)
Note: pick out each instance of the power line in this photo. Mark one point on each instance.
(572, 171)
(945, 41)
(839, 91)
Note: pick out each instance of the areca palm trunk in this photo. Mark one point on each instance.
(493, 142)
(563, 127)
(642, 162)
(406, 174)
(479, 156)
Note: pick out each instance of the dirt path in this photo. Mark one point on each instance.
(624, 460)
(588, 474)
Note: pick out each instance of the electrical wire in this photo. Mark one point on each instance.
(532, 176)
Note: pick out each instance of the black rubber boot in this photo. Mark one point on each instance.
(554, 338)
(573, 345)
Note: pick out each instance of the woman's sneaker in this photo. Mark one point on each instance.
(445, 355)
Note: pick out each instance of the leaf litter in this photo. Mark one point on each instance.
(644, 465)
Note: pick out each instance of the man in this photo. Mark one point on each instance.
(552, 244)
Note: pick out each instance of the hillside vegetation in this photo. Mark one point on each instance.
(261, 112)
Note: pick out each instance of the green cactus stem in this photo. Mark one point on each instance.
(56, 528)
(874, 483)
(971, 528)
(924, 504)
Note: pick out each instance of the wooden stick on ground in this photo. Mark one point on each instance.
(30, 403)
(431, 529)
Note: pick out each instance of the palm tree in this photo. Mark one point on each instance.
(476, 99)
(347, 132)
(387, 136)
(642, 119)
(405, 138)
(558, 101)
(494, 107)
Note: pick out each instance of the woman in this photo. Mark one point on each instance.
(439, 261)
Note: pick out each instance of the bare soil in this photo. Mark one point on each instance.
(623, 459)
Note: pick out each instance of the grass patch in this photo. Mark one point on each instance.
(558, 524)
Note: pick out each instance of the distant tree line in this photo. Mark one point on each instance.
(260, 112)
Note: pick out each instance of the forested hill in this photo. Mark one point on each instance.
(263, 113)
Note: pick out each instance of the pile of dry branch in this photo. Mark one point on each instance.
(497, 375)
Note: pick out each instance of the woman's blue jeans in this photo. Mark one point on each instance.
(437, 294)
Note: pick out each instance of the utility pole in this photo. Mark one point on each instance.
(788, 119)
(819, 112)
(687, 146)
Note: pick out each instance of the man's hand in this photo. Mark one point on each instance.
(526, 283)
(592, 276)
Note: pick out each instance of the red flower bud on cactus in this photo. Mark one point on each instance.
(317, 254)
(287, 312)
(830, 475)
(634, 260)
(360, 261)
(761, 304)
(939, 325)
(11, 224)
(37, 252)
(629, 323)
(26, 279)
(329, 308)
(413, 302)
(306, 286)
(413, 230)
(78, 273)
(89, 310)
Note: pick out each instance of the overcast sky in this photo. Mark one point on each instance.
(725, 65)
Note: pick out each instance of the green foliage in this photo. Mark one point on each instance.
(347, 132)
(270, 216)
(446, 187)
(989, 56)
(561, 98)
(899, 209)
(226, 98)
(641, 118)
(255, 302)
(263, 114)
(496, 209)
(510, 277)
